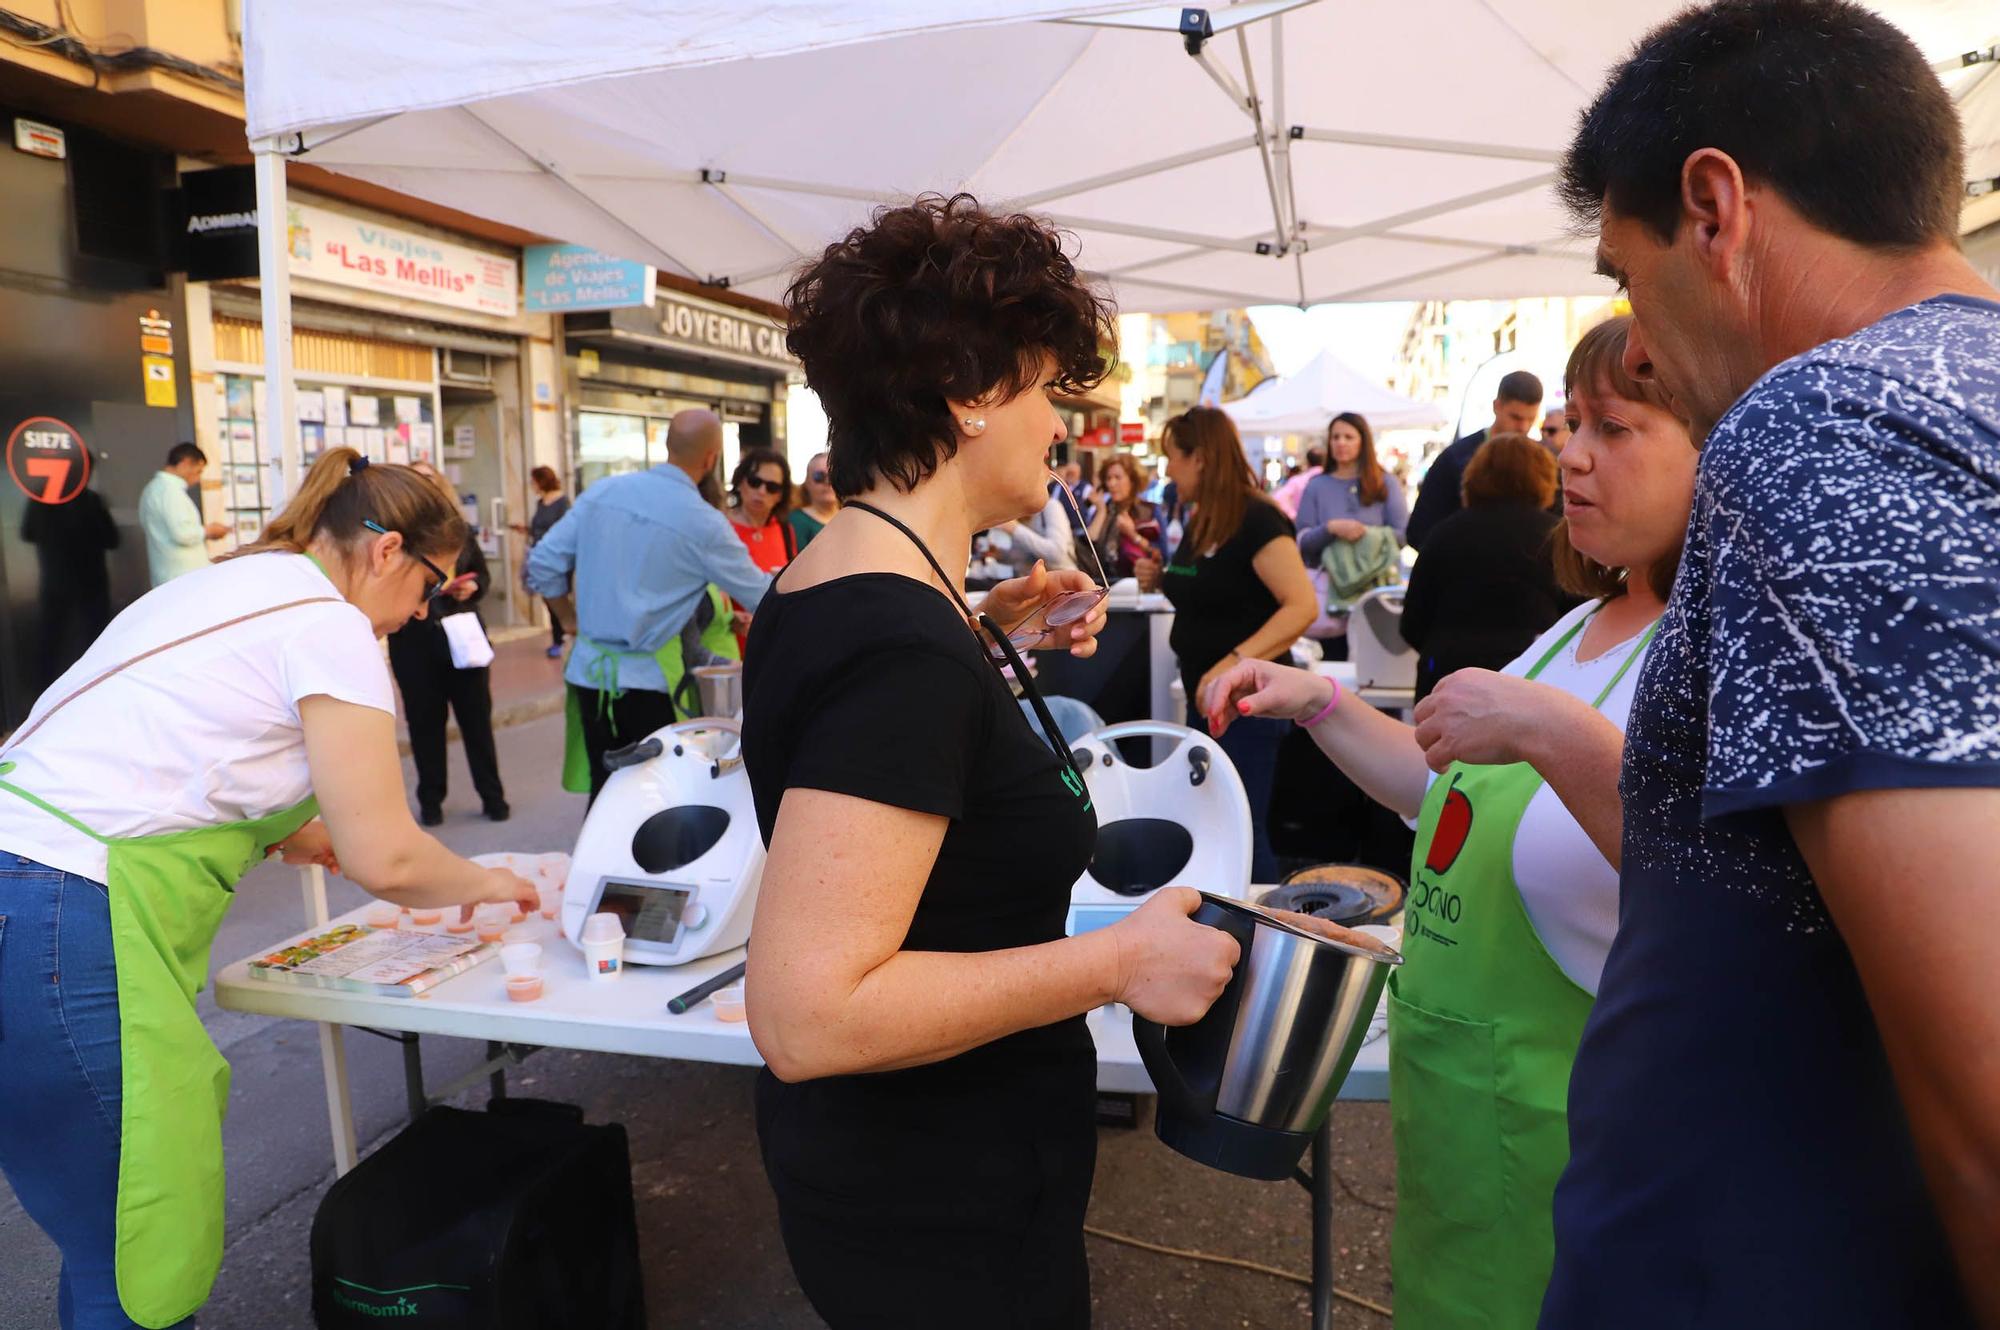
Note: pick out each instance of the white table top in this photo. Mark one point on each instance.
(629, 1014)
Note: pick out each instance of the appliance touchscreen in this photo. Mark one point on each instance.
(650, 913)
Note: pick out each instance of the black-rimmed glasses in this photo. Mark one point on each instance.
(434, 589)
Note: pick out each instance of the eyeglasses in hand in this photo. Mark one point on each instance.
(1069, 608)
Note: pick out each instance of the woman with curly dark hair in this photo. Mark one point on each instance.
(927, 1112)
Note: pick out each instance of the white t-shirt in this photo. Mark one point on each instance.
(1569, 888)
(203, 733)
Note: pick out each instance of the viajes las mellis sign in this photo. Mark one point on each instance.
(351, 251)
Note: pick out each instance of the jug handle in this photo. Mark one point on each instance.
(1151, 1036)
(1173, 1089)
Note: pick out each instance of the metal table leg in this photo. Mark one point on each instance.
(413, 1076)
(1322, 1210)
(498, 1080)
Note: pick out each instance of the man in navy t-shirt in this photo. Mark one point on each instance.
(1786, 1107)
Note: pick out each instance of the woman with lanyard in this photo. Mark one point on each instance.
(1513, 885)
(217, 720)
(927, 1110)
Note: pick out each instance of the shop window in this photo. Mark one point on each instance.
(609, 444)
(383, 424)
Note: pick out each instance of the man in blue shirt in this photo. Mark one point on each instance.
(1786, 1107)
(644, 548)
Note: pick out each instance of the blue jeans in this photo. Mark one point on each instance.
(1252, 745)
(61, 1064)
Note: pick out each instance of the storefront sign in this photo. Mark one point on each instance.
(350, 251)
(1131, 431)
(718, 330)
(557, 278)
(217, 237)
(694, 327)
(47, 460)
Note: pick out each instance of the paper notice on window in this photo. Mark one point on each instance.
(336, 405)
(364, 410)
(312, 406)
(409, 410)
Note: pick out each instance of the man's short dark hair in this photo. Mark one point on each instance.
(1520, 386)
(185, 452)
(934, 301)
(1824, 101)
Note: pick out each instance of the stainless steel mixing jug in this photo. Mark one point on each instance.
(1244, 1088)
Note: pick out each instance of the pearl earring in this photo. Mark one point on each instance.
(974, 425)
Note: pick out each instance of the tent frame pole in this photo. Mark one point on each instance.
(281, 428)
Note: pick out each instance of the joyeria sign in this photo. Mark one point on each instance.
(47, 460)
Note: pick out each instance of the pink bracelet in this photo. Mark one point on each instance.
(1324, 711)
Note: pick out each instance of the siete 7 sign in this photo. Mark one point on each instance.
(47, 460)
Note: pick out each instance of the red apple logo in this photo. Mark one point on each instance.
(1454, 824)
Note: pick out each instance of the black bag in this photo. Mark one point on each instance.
(514, 1219)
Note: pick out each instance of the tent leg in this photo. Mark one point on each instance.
(280, 438)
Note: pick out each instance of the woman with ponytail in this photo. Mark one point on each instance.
(240, 711)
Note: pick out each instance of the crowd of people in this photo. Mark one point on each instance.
(1708, 672)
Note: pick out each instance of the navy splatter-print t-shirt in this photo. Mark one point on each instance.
(1739, 1156)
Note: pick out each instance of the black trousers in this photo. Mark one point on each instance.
(909, 1206)
(420, 658)
(555, 627)
(636, 714)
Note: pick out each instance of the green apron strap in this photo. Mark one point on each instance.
(7, 768)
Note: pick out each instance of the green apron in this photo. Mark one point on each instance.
(168, 894)
(717, 637)
(1483, 1028)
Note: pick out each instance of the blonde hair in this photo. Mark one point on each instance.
(343, 491)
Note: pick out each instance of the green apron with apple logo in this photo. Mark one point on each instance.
(1483, 1029)
(167, 895)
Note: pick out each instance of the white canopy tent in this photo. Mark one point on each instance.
(1307, 402)
(1364, 149)
(1310, 152)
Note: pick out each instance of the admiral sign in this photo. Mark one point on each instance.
(218, 224)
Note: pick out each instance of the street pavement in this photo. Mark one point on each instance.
(708, 1226)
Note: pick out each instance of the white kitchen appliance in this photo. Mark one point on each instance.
(1182, 821)
(671, 846)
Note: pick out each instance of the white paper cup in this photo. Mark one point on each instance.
(603, 927)
(603, 960)
(521, 958)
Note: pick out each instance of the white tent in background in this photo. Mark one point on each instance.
(1306, 402)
